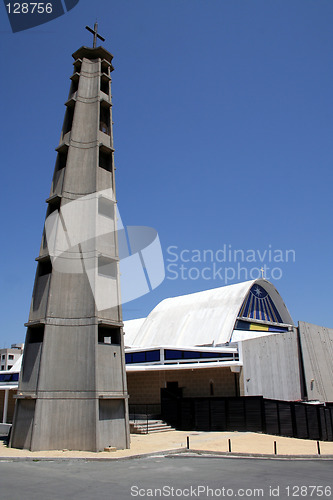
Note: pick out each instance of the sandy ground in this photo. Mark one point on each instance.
(241, 442)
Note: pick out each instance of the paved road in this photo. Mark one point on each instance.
(181, 477)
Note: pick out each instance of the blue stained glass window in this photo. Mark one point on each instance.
(259, 305)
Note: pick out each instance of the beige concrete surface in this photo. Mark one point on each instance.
(241, 442)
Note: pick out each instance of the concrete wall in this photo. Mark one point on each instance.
(109, 373)
(271, 367)
(30, 366)
(145, 387)
(71, 296)
(75, 424)
(23, 422)
(111, 423)
(68, 365)
(11, 405)
(317, 352)
(40, 296)
(57, 182)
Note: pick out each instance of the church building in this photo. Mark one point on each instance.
(237, 340)
(84, 370)
(232, 341)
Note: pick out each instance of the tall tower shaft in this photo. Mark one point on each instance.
(72, 391)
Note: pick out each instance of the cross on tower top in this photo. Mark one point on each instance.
(96, 35)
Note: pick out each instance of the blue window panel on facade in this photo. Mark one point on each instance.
(142, 357)
(191, 355)
(139, 357)
(152, 356)
(172, 354)
(9, 377)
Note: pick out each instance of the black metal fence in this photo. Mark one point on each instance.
(249, 413)
(144, 412)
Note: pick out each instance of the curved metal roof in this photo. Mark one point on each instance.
(202, 318)
(131, 328)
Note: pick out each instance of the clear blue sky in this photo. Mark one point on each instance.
(223, 133)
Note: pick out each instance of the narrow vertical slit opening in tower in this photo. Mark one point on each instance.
(74, 86)
(61, 160)
(104, 120)
(105, 161)
(68, 122)
(105, 84)
(77, 65)
(54, 206)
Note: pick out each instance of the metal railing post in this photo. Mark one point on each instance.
(147, 418)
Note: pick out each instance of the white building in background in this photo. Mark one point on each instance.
(8, 357)
(8, 388)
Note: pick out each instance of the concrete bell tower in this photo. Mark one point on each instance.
(72, 390)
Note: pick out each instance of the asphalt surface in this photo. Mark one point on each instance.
(173, 477)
